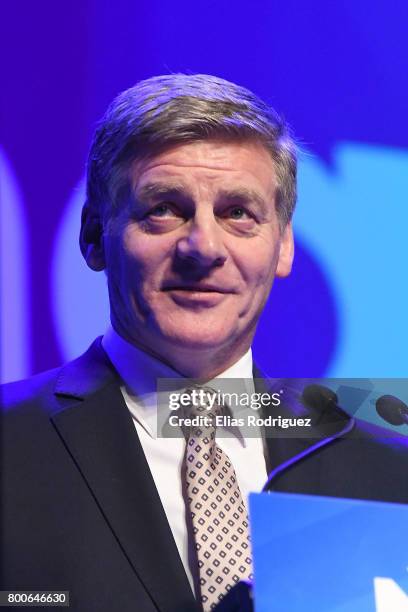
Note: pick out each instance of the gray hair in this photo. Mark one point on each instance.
(180, 108)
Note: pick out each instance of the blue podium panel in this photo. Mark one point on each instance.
(321, 554)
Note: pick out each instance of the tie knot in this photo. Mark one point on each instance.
(202, 411)
(204, 402)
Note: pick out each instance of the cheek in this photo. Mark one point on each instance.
(258, 264)
(122, 261)
(136, 253)
(146, 259)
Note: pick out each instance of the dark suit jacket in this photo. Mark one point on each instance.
(80, 511)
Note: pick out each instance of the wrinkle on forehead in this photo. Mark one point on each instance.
(188, 164)
(209, 161)
(210, 150)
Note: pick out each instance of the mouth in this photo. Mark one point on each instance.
(201, 288)
(196, 296)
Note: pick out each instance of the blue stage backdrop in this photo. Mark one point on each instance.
(337, 71)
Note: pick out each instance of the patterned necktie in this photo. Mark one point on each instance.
(218, 514)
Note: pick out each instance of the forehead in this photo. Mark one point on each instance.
(212, 163)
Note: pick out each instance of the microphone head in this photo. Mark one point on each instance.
(391, 409)
(318, 397)
(323, 404)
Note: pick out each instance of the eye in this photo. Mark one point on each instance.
(238, 212)
(161, 210)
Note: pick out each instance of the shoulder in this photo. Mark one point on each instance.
(19, 395)
(45, 392)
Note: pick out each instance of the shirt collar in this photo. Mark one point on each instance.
(139, 372)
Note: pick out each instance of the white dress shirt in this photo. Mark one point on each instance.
(139, 372)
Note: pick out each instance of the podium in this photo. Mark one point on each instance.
(320, 554)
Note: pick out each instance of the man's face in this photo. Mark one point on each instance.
(192, 258)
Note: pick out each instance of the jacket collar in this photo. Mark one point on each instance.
(86, 374)
(92, 371)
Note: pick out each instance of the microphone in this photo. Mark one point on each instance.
(325, 402)
(313, 394)
(392, 410)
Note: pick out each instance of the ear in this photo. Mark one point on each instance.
(91, 239)
(286, 252)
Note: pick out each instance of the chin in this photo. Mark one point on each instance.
(198, 334)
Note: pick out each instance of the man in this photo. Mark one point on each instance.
(190, 194)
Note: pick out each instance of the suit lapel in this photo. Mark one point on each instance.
(284, 445)
(97, 430)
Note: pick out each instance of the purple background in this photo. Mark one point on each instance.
(338, 72)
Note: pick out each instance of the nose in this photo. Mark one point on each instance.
(202, 245)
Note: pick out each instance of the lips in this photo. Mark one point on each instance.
(196, 296)
(199, 288)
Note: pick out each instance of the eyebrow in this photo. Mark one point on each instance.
(155, 190)
(240, 195)
(243, 195)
